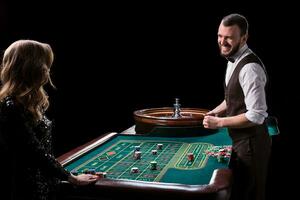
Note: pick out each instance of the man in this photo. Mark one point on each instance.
(243, 110)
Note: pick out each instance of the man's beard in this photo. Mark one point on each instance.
(232, 52)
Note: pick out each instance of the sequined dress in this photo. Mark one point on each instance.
(31, 170)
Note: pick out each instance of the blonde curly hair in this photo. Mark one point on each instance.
(25, 69)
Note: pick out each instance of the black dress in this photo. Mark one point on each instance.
(29, 167)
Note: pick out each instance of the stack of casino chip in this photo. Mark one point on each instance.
(222, 153)
(137, 155)
(74, 172)
(137, 148)
(90, 171)
(101, 174)
(190, 157)
(153, 165)
(154, 152)
(159, 146)
(134, 170)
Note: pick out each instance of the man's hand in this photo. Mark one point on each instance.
(212, 122)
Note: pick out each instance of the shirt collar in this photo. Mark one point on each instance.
(235, 57)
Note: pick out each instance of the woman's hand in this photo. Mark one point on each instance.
(83, 179)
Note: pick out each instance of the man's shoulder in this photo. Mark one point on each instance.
(251, 61)
(252, 71)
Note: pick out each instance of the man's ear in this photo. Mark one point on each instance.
(245, 38)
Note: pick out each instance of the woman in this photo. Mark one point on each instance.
(32, 170)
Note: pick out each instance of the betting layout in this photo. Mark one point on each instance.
(148, 160)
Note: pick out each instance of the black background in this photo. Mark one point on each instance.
(111, 60)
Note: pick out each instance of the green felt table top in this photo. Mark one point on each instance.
(115, 156)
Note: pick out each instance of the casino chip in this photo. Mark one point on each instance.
(137, 155)
(137, 148)
(101, 174)
(154, 152)
(74, 172)
(190, 157)
(159, 146)
(153, 165)
(134, 170)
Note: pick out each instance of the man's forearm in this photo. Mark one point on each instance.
(220, 109)
(238, 121)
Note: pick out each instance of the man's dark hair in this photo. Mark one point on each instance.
(236, 19)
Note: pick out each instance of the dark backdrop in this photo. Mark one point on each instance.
(111, 60)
